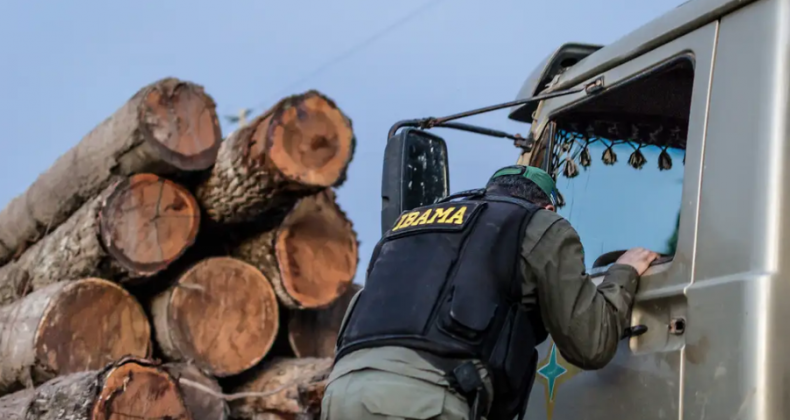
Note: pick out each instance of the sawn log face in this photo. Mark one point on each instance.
(69, 327)
(311, 257)
(128, 389)
(168, 126)
(301, 145)
(222, 314)
(146, 223)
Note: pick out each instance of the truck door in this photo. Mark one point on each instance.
(628, 164)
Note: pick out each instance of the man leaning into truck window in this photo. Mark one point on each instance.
(458, 295)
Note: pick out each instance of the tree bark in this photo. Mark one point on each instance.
(167, 126)
(128, 389)
(134, 229)
(296, 388)
(69, 327)
(301, 145)
(14, 406)
(311, 258)
(222, 314)
(313, 332)
(201, 405)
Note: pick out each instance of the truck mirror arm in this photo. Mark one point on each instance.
(431, 122)
(519, 140)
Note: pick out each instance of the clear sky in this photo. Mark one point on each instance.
(66, 66)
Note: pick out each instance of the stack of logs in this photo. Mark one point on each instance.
(158, 271)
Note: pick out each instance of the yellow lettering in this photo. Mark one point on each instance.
(411, 219)
(458, 217)
(408, 220)
(424, 218)
(441, 215)
(440, 212)
(445, 215)
(400, 222)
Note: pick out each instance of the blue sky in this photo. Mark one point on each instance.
(66, 66)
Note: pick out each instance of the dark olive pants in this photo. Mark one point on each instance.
(375, 395)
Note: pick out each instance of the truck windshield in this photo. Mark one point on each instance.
(619, 163)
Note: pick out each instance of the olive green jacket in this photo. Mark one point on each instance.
(585, 321)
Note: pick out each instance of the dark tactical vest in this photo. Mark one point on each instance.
(445, 281)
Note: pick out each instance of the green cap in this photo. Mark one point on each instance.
(541, 178)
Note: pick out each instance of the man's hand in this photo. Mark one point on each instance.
(639, 258)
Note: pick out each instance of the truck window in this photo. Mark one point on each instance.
(619, 160)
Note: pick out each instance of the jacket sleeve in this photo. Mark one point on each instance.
(585, 321)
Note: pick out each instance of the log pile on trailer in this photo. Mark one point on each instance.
(156, 270)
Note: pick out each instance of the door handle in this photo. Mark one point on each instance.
(634, 331)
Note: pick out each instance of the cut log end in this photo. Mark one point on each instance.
(313, 333)
(316, 250)
(90, 323)
(223, 315)
(300, 146)
(182, 122)
(137, 391)
(127, 389)
(310, 140)
(148, 222)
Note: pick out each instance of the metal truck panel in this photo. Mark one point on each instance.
(673, 24)
(644, 380)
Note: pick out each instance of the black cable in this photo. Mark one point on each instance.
(350, 52)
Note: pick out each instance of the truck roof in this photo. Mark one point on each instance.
(673, 24)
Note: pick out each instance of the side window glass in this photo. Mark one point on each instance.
(619, 162)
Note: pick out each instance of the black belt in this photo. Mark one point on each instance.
(464, 377)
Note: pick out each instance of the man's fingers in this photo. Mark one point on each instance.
(639, 258)
(645, 253)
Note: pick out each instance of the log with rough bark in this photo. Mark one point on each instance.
(222, 314)
(127, 389)
(168, 126)
(311, 257)
(69, 327)
(291, 388)
(134, 229)
(14, 406)
(301, 145)
(191, 381)
(313, 332)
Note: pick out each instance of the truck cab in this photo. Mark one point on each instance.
(693, 108)
(675, 139)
